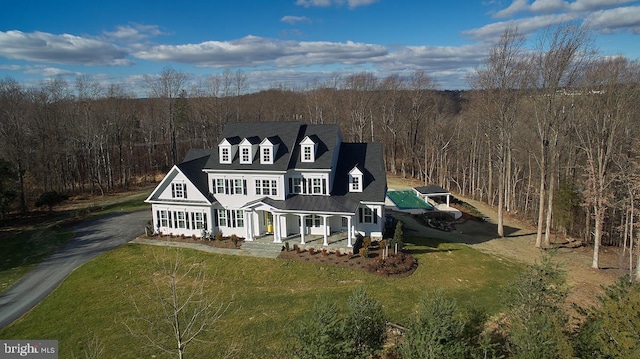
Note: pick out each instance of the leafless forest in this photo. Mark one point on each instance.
(548, 133)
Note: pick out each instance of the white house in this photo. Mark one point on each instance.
(284, 179)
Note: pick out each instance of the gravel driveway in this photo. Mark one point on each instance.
(91, 239)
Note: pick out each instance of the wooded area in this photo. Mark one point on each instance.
(548, 134)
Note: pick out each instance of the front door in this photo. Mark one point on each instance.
(268, 221)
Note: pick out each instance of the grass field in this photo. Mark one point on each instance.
(266, 296)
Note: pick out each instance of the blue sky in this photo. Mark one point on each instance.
(289, 43)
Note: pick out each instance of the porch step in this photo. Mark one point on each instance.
(261, 249)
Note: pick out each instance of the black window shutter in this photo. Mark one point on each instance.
(360, 214)
(226, 186)
(213, 186)
(158, 219)
(216, 223)
(375, 216)
(184, 190)
(244, 186)
(204, 218)
(304, 186)
(173, 190)
(186, 219)
(233, 219)
(290, 185)
(324, 186)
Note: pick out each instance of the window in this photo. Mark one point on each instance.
(180, 220)
(267, 187)
(297, 185)
(222, 217)
(355, 183)
(198, 220)
(317, 186)
(239, 218)
(367, 215)
(178, 190)
(163, 219)
(313, 221)
(306, 154)
(245, 156)
(266, 155)
(225, 156)
(238, 186)
(218, 185)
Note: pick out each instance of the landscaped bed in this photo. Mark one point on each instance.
(376, 260)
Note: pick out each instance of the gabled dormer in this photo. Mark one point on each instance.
(308, 149)
(248, 147)
(227, 150)
(355, 180)
(268, 150)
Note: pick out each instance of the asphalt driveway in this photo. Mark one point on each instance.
(91, 239)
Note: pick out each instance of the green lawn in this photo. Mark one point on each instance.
(267, 296)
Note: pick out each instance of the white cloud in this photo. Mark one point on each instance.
(528, 25)
(60, 49)
(292, 20)
(326, 3)
(134, 32)
(612, 20)
(256, 51)
(550, 6)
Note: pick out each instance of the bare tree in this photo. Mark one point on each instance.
(500, 83)
(560, 57)
(177, 309)
(168, 86)
(605, 113)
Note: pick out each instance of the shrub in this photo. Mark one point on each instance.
(365, 325)
(436, 331)
(234, 240)
(312, 251)
(219, 236)
(319, 334)
(364, 252)
(366, 242)
(50, 199)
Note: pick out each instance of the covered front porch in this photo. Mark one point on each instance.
(334, 241)
(319, 229)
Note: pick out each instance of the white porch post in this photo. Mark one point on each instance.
(326, 237)
(448, 200)
(302, 228)
(277, 238)
(349, 232)
(248, 215)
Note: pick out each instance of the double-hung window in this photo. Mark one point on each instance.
(267, 187)
(225, 155)
(180, 220)
(317, 186)
(238, 186)
(163, 219)
(245, 155)
(222, 217)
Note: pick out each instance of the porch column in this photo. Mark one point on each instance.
(448, 200)
(349, 232)
(248, 215)
(302, 228)
(277, 238)
(324, 223)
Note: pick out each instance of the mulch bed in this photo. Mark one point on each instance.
(224, 243)
(394, 265)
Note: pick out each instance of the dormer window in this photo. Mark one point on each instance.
(227, 151)
(245, 155)
(355, 180)
(248, 148)
(308, 150)
(267, 151)
(266, 155)
(225, 155)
